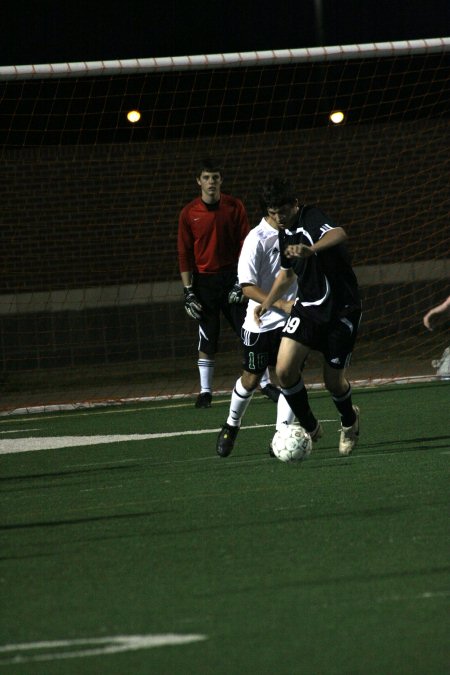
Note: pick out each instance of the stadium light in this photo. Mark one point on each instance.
(337, 117)
(133, 116)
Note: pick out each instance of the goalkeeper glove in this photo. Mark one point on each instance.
(236, 296)
(191, 304)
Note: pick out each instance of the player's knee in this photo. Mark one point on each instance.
(249, 380)
(336, 382)
(285, 376)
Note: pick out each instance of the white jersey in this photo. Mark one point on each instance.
(259, 264)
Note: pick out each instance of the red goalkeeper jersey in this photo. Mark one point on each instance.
(210, 236)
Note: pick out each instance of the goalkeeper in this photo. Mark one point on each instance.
(211, 231)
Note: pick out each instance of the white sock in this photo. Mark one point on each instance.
(206, 372)
(240, 399)
(265, 380)
(285, 414)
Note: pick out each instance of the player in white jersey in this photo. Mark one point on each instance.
(259, 264)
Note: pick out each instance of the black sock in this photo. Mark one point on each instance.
(297, 398)
(345, 407)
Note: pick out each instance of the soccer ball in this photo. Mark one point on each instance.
(291, 443)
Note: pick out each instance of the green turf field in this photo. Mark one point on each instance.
(127, 547)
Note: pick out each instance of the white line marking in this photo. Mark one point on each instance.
(106, 645)
(18, 431)
(9, 446)
(427, 595)
(33, 443)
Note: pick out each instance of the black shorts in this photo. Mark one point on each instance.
(212, 291)
(260, 349)
(335, 339)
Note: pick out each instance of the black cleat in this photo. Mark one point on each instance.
(225, 440)
(203, 400)
(271, 391)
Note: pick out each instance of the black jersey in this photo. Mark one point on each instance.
(327, 285)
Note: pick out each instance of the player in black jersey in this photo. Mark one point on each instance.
(326, 312)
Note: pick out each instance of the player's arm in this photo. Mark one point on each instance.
(186, 260)
(186, 278)
(435, 310)
(280, 286)
(333, 237)
(258, 295)
(192, 305)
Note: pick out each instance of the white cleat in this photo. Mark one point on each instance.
(349, 435)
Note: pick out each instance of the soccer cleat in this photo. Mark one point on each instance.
(317, 433)
(349, 435)
(225, 440)
(271, 391)
(203, 400)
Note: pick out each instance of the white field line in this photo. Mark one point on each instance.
(32, 443)
(90, 646)
(18, 431)
(59, 407)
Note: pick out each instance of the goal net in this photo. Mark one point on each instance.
(91, 301)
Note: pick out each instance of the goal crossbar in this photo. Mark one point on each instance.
(236, 59)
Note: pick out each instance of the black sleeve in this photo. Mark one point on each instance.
(285, 263)
(316, 222)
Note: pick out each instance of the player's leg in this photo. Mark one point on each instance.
(291, 356)
(208, 335)
(258, 352)
(235, 315)
(205, 364)
(341, 392)
(337, 354)
(268, 388)
(240, 400)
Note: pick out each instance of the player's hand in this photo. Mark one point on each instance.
(258, 312)
(298, 251)
(236, 296)
(191, 304)
(426, 321)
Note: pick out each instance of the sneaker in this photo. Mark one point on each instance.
(271, 391)
(203, 400)
(349, 435)
(225, 440)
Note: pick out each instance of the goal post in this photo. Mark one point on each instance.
(230, 60)
(90, 297)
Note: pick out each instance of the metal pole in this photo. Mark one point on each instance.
(320, 35)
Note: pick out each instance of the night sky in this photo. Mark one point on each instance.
(72, 30)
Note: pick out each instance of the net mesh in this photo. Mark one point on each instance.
(90, 298)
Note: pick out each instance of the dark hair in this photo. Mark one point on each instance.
(277, 192)
(210, 165)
